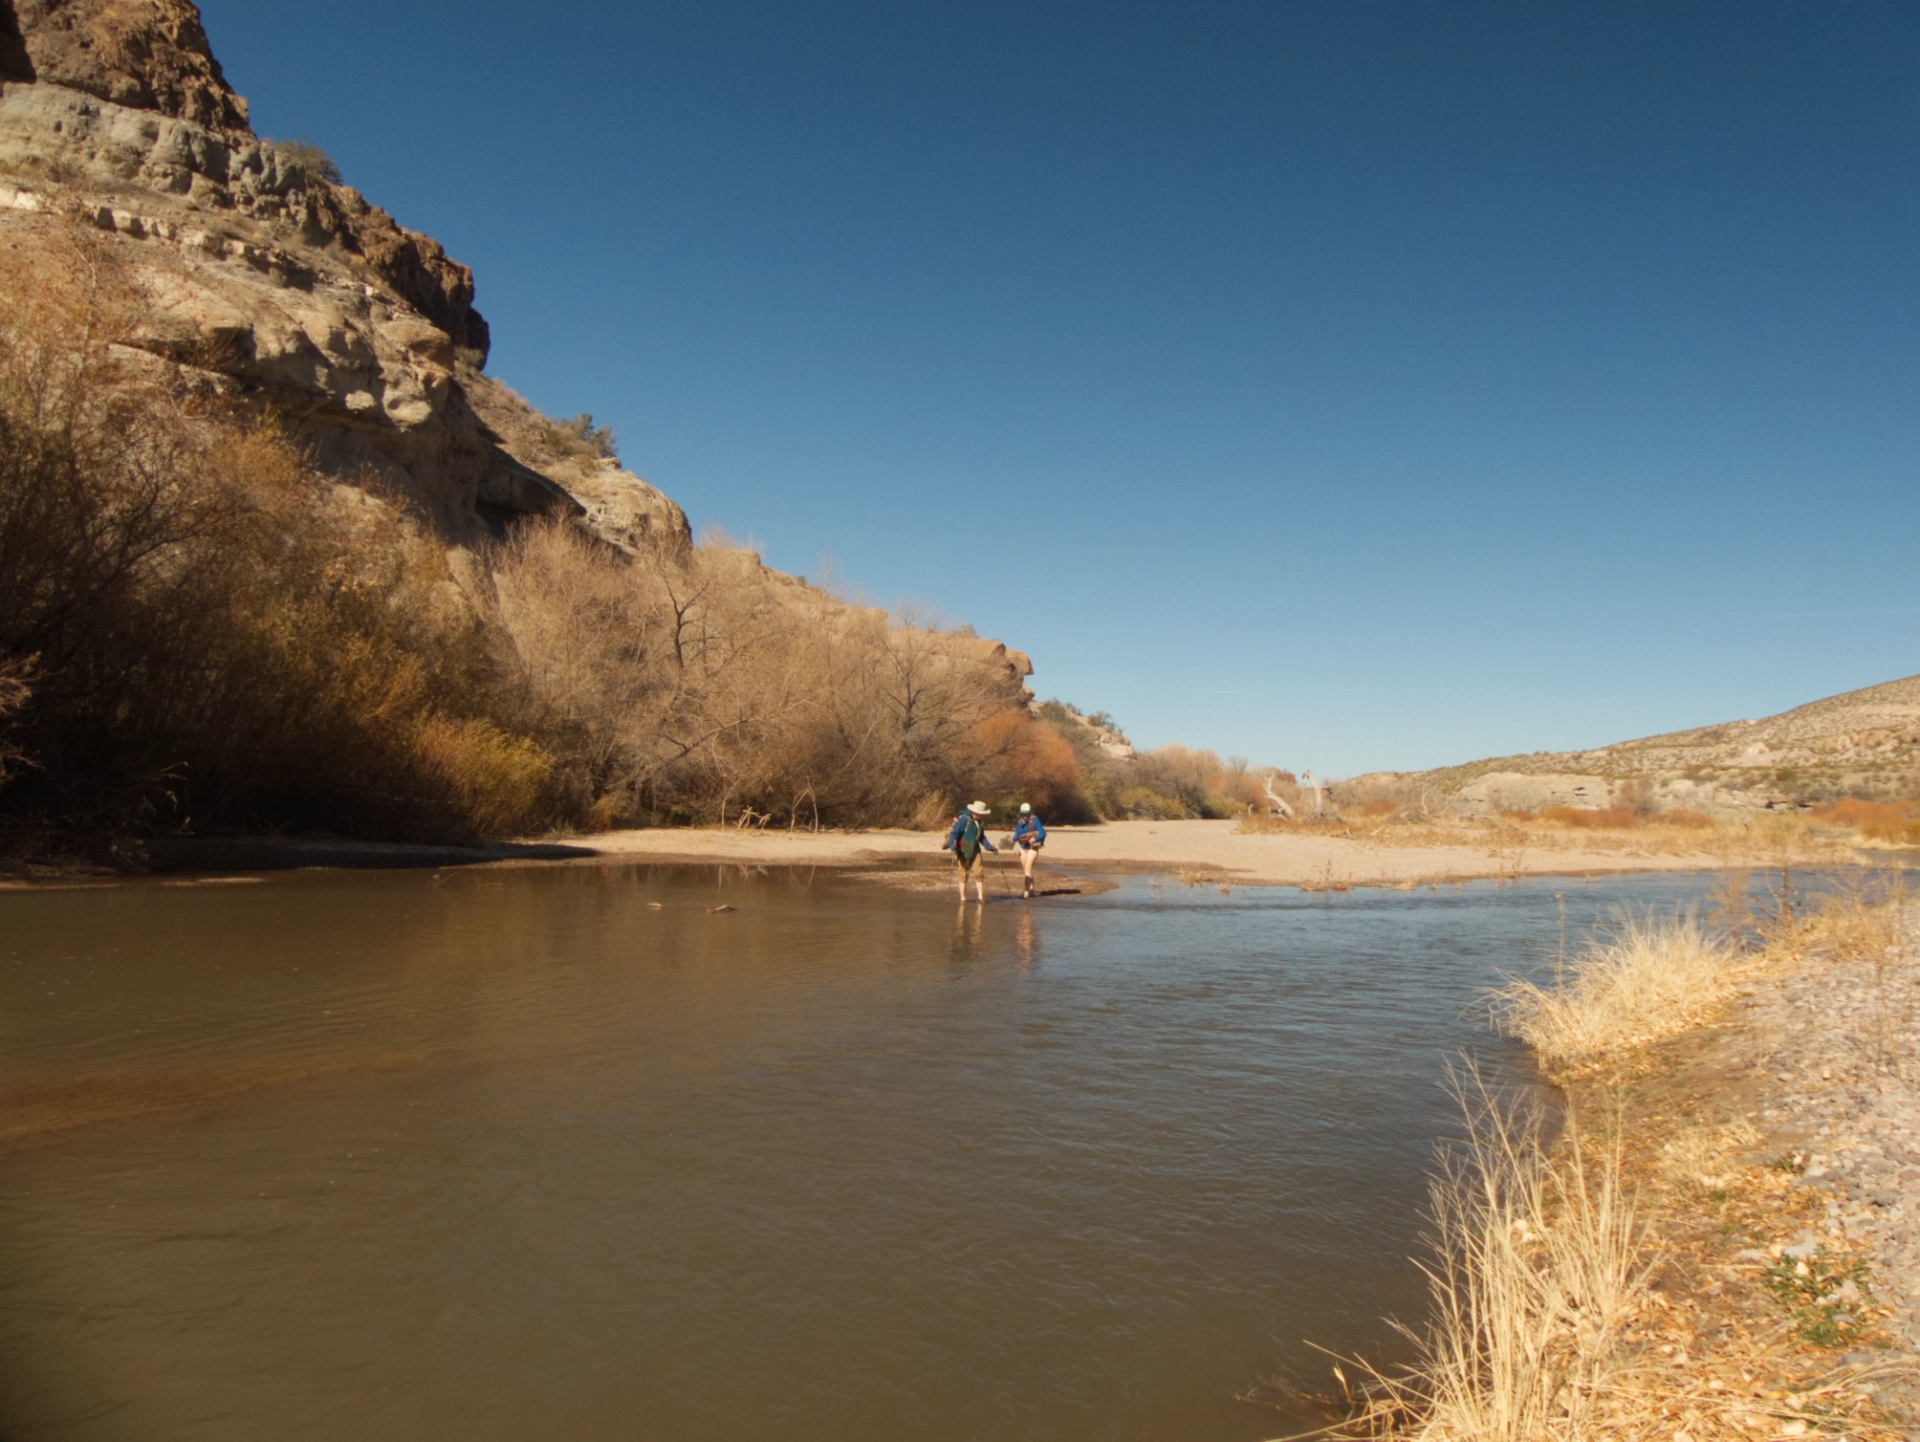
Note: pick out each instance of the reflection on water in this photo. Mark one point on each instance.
(563, 1153)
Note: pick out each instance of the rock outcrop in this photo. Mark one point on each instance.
(142, 54)
(267, 280)
(1520, 791)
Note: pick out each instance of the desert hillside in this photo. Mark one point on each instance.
(1864, 744)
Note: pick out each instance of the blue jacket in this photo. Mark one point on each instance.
(956, 838)
(1029, 828)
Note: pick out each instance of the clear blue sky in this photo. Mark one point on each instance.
(1343, 384)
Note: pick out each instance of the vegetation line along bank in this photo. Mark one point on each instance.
(1678, 1261)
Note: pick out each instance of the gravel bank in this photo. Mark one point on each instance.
(1828, 1056)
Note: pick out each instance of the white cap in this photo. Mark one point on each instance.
(1024, 808)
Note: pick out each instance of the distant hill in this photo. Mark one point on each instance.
(1865, 743)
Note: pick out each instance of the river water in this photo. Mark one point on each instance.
(506, 1154)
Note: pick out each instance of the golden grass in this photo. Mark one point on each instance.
(1539, 1268)
(1643, 980)
(1757, 839)
(1592, 1287)
(1890, 821)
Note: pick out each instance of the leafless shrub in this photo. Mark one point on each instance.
(309, 159)
(690, 683)
(579, 436)
(13, 699)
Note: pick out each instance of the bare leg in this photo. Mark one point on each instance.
(960, 874)
(980, 881)
(1028, 856)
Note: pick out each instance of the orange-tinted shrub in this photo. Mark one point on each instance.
(1614, 818)
(1024, 759)
(1875, 820)
(494, 780)
(1604, 818)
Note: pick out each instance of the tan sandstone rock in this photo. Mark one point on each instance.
(289, 294)
(144, 54)
(1515, 791)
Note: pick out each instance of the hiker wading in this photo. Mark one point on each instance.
(969, 834)
(1029, 834)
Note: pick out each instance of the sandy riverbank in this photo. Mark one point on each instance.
(1213, 851)
(1217, 849)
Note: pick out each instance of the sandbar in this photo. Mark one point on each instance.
(1211, 850)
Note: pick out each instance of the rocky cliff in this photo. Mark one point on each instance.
(264, 279)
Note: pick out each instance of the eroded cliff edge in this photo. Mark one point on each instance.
(260, 278)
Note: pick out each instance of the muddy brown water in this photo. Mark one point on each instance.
(562, 1153)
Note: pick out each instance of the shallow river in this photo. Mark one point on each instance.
(562, 1153)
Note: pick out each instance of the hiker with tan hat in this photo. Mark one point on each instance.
(968, 836)
(1029, 835)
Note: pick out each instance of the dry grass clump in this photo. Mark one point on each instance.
(1645, 979)
(1637, 1284)
(1858, 921)
(1568, 1305)
(1538, 1268)
(579, 436)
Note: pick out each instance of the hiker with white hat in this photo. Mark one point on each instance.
(964, 841)
(1029, 834)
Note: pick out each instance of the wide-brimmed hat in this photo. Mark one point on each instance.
(979, 808)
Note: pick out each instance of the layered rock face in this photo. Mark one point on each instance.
(268, 281)
(144, 54)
